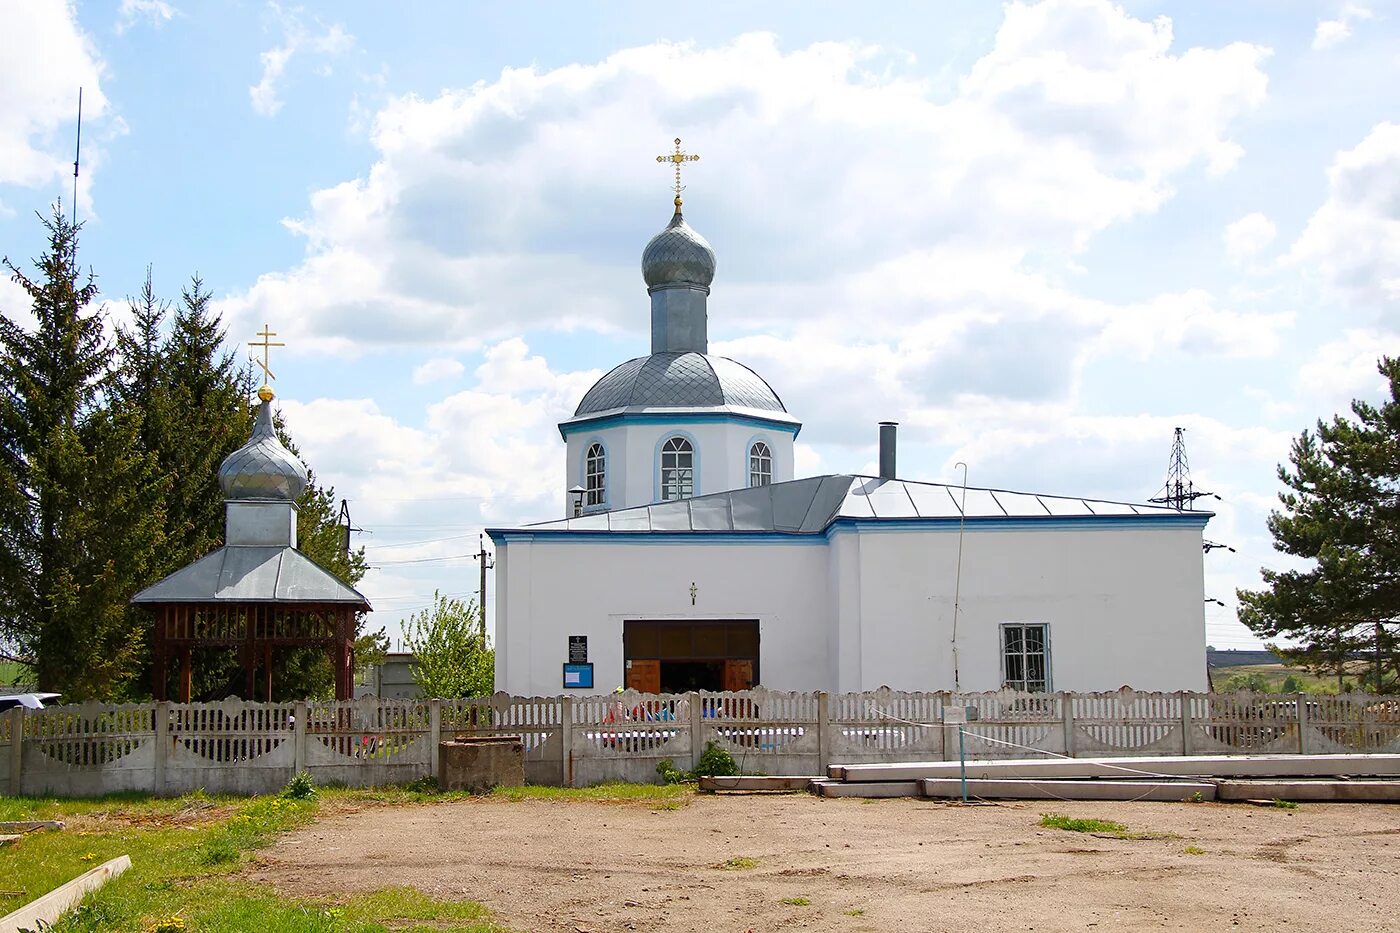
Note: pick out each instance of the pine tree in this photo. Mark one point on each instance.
(80, 504)
(1341, 511)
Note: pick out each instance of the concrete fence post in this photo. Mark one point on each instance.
(823, 732)
(566, 741)
(1303, 723)
(434, 737)
(16, 750)
(1188, 744)
(1067, 712)
(299, 715)
(945, 700)
(697, 728)
(162, 748)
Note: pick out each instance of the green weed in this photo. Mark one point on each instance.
(797, 901)
(739, 863)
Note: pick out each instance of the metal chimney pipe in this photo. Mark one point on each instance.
(887, 448)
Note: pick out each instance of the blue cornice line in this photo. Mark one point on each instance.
(678, 418)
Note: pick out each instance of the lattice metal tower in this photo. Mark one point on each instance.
(1178, 492)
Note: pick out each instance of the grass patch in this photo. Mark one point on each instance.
(1285, 804)
(797, 901)
(1194, 850)
(856, 912)
(605, 792)
(739, 863)
(1097, 827)
(184, 853)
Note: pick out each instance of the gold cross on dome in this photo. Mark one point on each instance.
(677, 158)
(265, 393)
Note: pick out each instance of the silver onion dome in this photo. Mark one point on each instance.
(262, 468)
(678, 256)
(680, 380)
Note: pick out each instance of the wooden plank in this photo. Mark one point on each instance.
(28, 826)
(756, 783)
(47, 909)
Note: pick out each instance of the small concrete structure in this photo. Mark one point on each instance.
(1016, 789)
(478, 764)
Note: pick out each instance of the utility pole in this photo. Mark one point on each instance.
(486, 563)
(1178, 492)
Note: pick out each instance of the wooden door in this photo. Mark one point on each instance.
(738, 675)
(644, 676)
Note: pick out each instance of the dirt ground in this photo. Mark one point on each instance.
(887, 865)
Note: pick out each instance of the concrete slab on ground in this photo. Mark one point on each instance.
(765, 782)
(1173, 766)
(1021, 789)
(1312, 791)
(881, 789)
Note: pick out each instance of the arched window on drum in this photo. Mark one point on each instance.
(760, 464)
(595, 475)
(677, 469)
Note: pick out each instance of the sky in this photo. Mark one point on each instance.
(1040, 235)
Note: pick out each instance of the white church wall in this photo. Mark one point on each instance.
(1123, 606)
(554, 589)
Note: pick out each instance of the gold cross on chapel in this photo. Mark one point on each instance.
(265, 393)
(677, 158)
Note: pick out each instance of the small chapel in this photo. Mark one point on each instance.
(689, 557)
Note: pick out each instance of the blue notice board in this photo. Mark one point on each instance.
(578, 676)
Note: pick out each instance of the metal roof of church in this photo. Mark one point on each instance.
(252, 574)
(810, 506)
(680, 380)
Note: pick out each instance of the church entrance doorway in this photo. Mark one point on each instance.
(677, 656)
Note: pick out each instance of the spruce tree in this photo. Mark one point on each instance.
(81, 501)
(1341, 512)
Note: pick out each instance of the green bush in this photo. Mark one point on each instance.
(715, 761)
(670, 774)
(300, 787)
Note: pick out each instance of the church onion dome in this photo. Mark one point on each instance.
(678, 256)
(262, 468)
(680, 380)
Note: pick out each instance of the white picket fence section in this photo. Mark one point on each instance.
(249, 748)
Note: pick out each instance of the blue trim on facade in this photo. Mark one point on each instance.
(607, 474)
(857, 525)
(570, 427)
(656, 464)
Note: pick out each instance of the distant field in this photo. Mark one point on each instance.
(1272, 676)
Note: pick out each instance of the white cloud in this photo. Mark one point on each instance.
(296, 38)
(1247, 237)
(1353, 239)
(1345, 369)
(821, 164)
(1330, 32)
(437, 369)
(155, 12)
(44, 58)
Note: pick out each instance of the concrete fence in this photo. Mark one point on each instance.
(248, 748)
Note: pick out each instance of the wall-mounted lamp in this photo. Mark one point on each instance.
(576, 499)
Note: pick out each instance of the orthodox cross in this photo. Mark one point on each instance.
(677, 158)
(265, 393)
(693, 588)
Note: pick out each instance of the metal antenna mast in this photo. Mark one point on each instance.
(1178, 492)
(77, 154)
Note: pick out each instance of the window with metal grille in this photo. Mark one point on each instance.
(760, 464)
(595, 466)
(1025, 657)
(677, 469)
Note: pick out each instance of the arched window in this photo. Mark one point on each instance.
(595, 470)
(677, 469)
(760, 464)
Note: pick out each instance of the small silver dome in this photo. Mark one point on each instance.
(680, 380)
(678, 256)
(262, 468)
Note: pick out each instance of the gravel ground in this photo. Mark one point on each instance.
(569, 866)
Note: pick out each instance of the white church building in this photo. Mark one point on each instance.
(690, 558)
